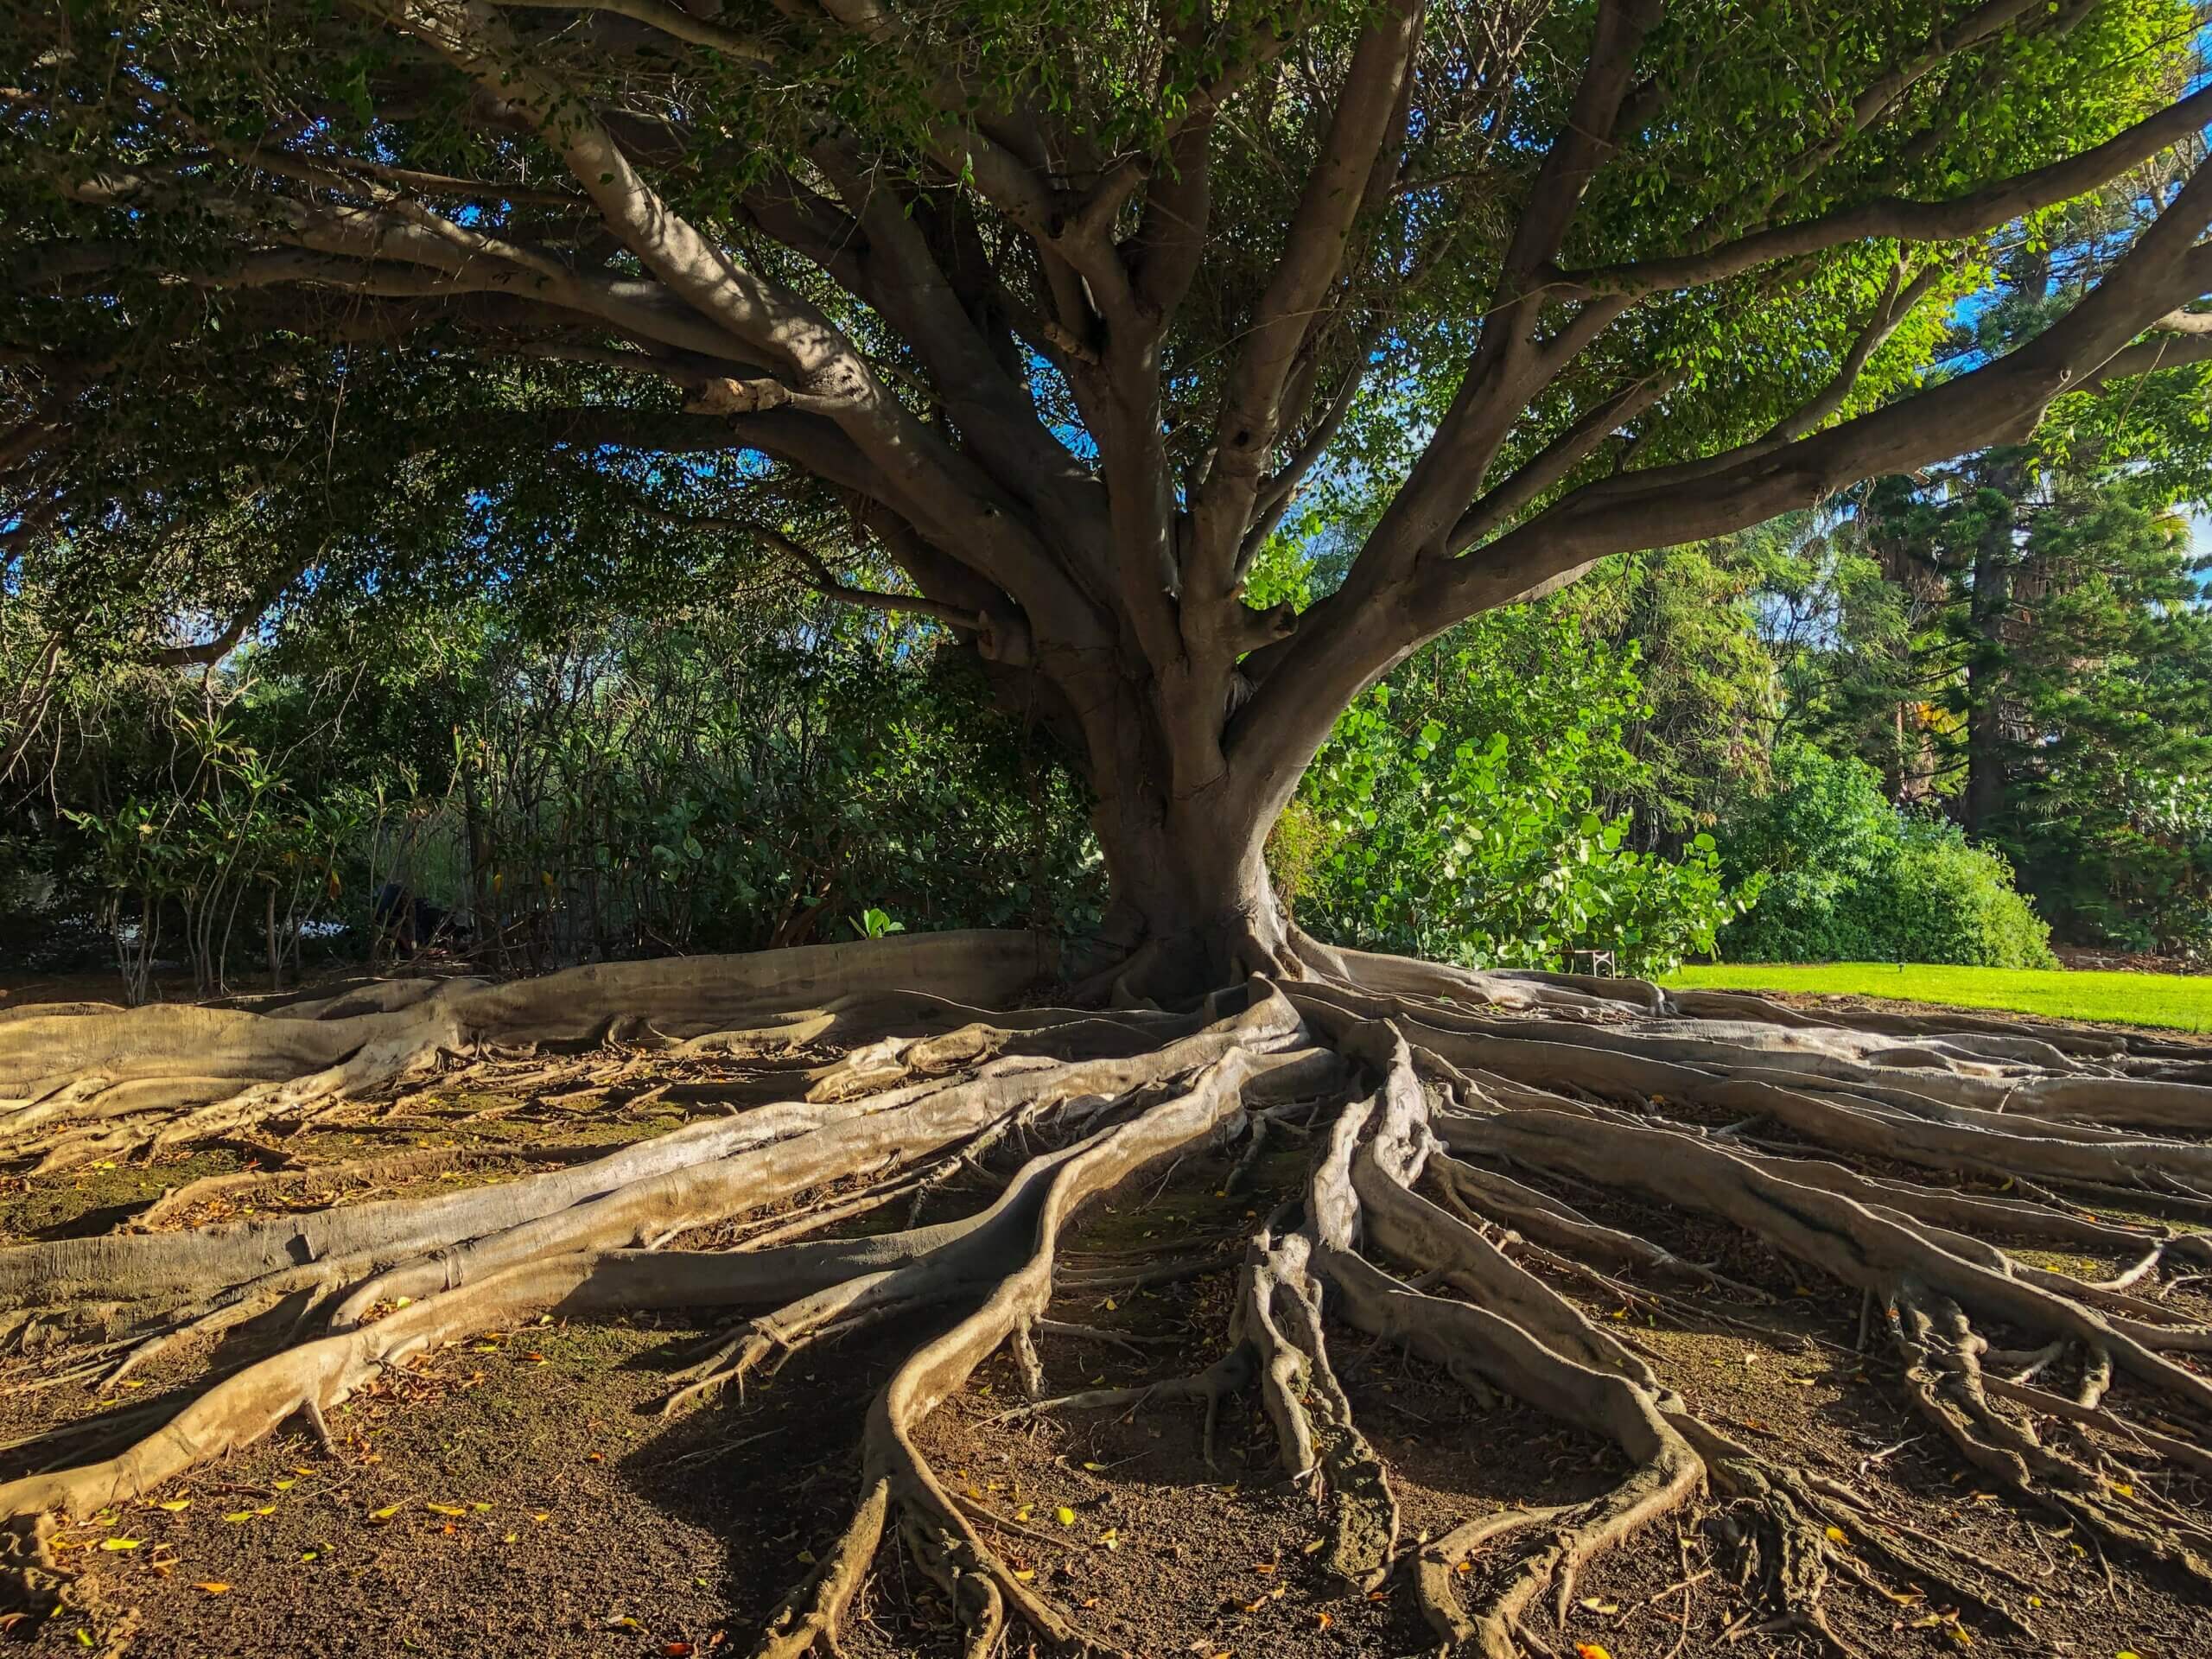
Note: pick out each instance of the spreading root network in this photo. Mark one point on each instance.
(1463, 1133)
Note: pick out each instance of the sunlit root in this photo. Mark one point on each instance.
(1461, 1206)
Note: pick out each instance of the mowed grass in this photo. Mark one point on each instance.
(2178, 1000)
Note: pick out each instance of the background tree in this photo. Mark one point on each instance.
(2022, 645)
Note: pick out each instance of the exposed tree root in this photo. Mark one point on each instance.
(75, 1087)
(1476, 1148)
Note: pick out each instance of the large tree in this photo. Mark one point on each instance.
(1045, 313)
(1064, 305)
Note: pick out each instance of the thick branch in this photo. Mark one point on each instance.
(1960, 217)
(1313, 253)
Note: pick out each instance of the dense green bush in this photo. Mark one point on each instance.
(711, 777)
(1851, 877)
(1453, 814)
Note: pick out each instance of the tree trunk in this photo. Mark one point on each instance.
(1989, 610)
(1190, 887)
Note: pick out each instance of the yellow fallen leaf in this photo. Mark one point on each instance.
(119, 1543)
(509, 1539)
(238, 1516)
(284, 1485)
(2123, 1489)
(384, 1514)
(266, 1508)
(1318, 1544)
(542, 1515)
(214, 1587)
(1064, 1515)
(1025, 1573)
(445, 1508)
(2035, 1601)
(1599, 1605)
(175, 1504)
(1022, 1514)
(1837, 1536)
(479, 1505)
(308, 1554)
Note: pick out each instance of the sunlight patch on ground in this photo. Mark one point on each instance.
(2179, 1001)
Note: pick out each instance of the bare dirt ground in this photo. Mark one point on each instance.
(517, 1492)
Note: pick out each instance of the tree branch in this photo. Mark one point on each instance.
(206, 654)
(1339, 651)
(1960, 217)
(1313, 253)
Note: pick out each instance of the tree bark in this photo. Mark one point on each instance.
(1988, 712)
(1190, 894)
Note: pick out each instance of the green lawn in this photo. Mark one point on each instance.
(2174, 1000)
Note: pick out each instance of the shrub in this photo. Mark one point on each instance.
(1851, 877)
(1424, 827)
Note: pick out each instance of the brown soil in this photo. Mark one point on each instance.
(515, 1492)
